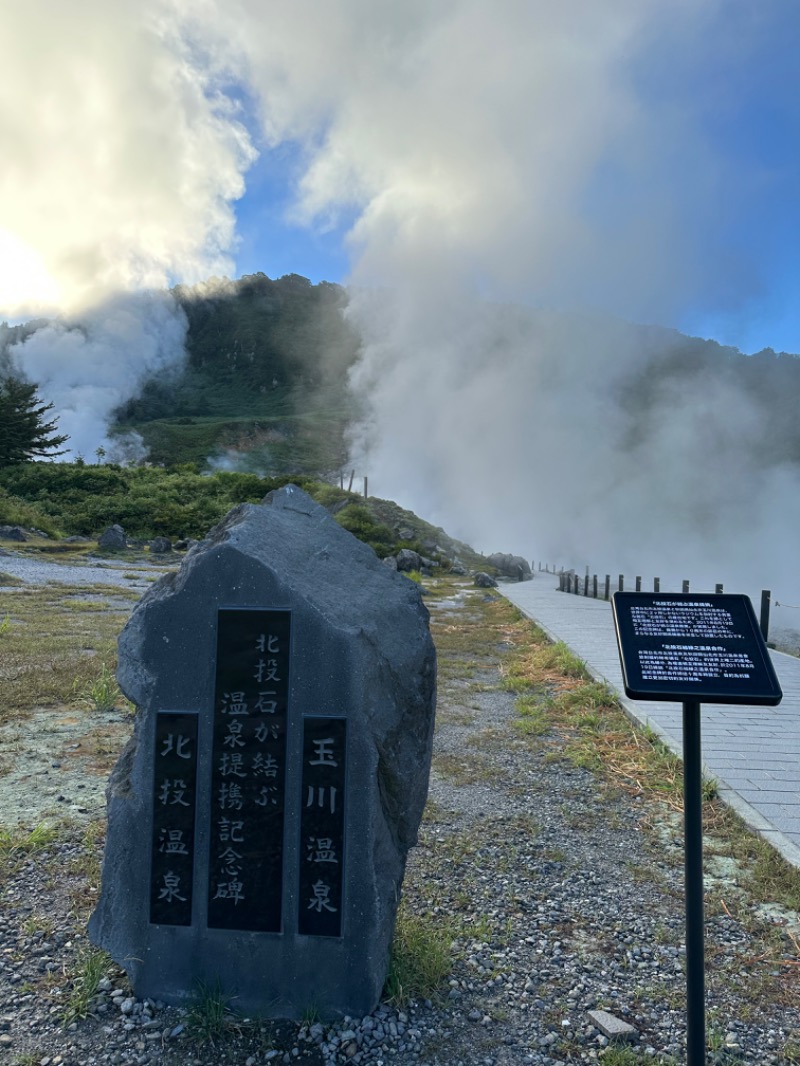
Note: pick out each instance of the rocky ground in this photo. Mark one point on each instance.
(555, 893)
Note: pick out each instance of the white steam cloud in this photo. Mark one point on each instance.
(483, 154)
(121, 154)
(85, 367)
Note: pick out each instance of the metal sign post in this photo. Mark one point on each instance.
(693, 867)
(686, 648)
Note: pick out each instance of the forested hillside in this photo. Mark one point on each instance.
(263, 386)
(265, 377)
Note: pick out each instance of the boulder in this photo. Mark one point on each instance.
(13, 533)
(485, 581)
(160, 546)
(261, 815)
(513, 566)
(112, 539)
(408, 560)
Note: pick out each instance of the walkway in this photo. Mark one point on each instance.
(752, 752)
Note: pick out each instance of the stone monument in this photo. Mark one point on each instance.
(260, 817)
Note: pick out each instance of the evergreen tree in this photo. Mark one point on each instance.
(24, 433)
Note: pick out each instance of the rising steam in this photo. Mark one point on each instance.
(488, 159)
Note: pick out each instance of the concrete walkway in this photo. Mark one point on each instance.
(752, 752)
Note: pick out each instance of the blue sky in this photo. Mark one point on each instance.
(727, 99)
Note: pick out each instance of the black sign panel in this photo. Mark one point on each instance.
(693, 647)
(248, 776)
(322, 826)
(174, 794)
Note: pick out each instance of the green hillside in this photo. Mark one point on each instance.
(77, 499)
(265, 376)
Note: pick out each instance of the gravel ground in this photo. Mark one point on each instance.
(561, 893)
(127, 573)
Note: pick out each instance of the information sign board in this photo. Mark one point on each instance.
(698, 647)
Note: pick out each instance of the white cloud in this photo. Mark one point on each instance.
(121, 158)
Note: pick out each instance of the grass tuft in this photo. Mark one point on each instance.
(210, 1015)
(421, 957)
(90, 967)
(15, 844)
(102, 692)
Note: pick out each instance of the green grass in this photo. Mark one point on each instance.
(102, 692)
(622, 1056)
(51, 651)
(209, 1016)
(91, 965)
(421, 957)
(15, 844)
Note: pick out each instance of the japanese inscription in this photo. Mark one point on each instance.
(693, 646)
(174, 792)
(322, 826)
(248, 778)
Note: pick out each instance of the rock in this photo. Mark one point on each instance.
(485, 581)
(76, 540)
(458, 570)
(611, 1027)
(280, 630)
(13, 533)
(160, 546)
(112, 539)
(513, 566)
(391, 562)
(408, 560)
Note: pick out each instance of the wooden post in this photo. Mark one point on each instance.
(350, 482)
(621, 582)
(365, 487)
(656, 584)
(766, 595)
(718, 589)
(608, 586)
(685, 587)
(594, 586)
(638, 584)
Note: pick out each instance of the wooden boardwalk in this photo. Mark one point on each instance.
(753, 753)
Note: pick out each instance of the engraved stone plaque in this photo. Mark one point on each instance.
(174, 805)
(322, 826)
(248, 776)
